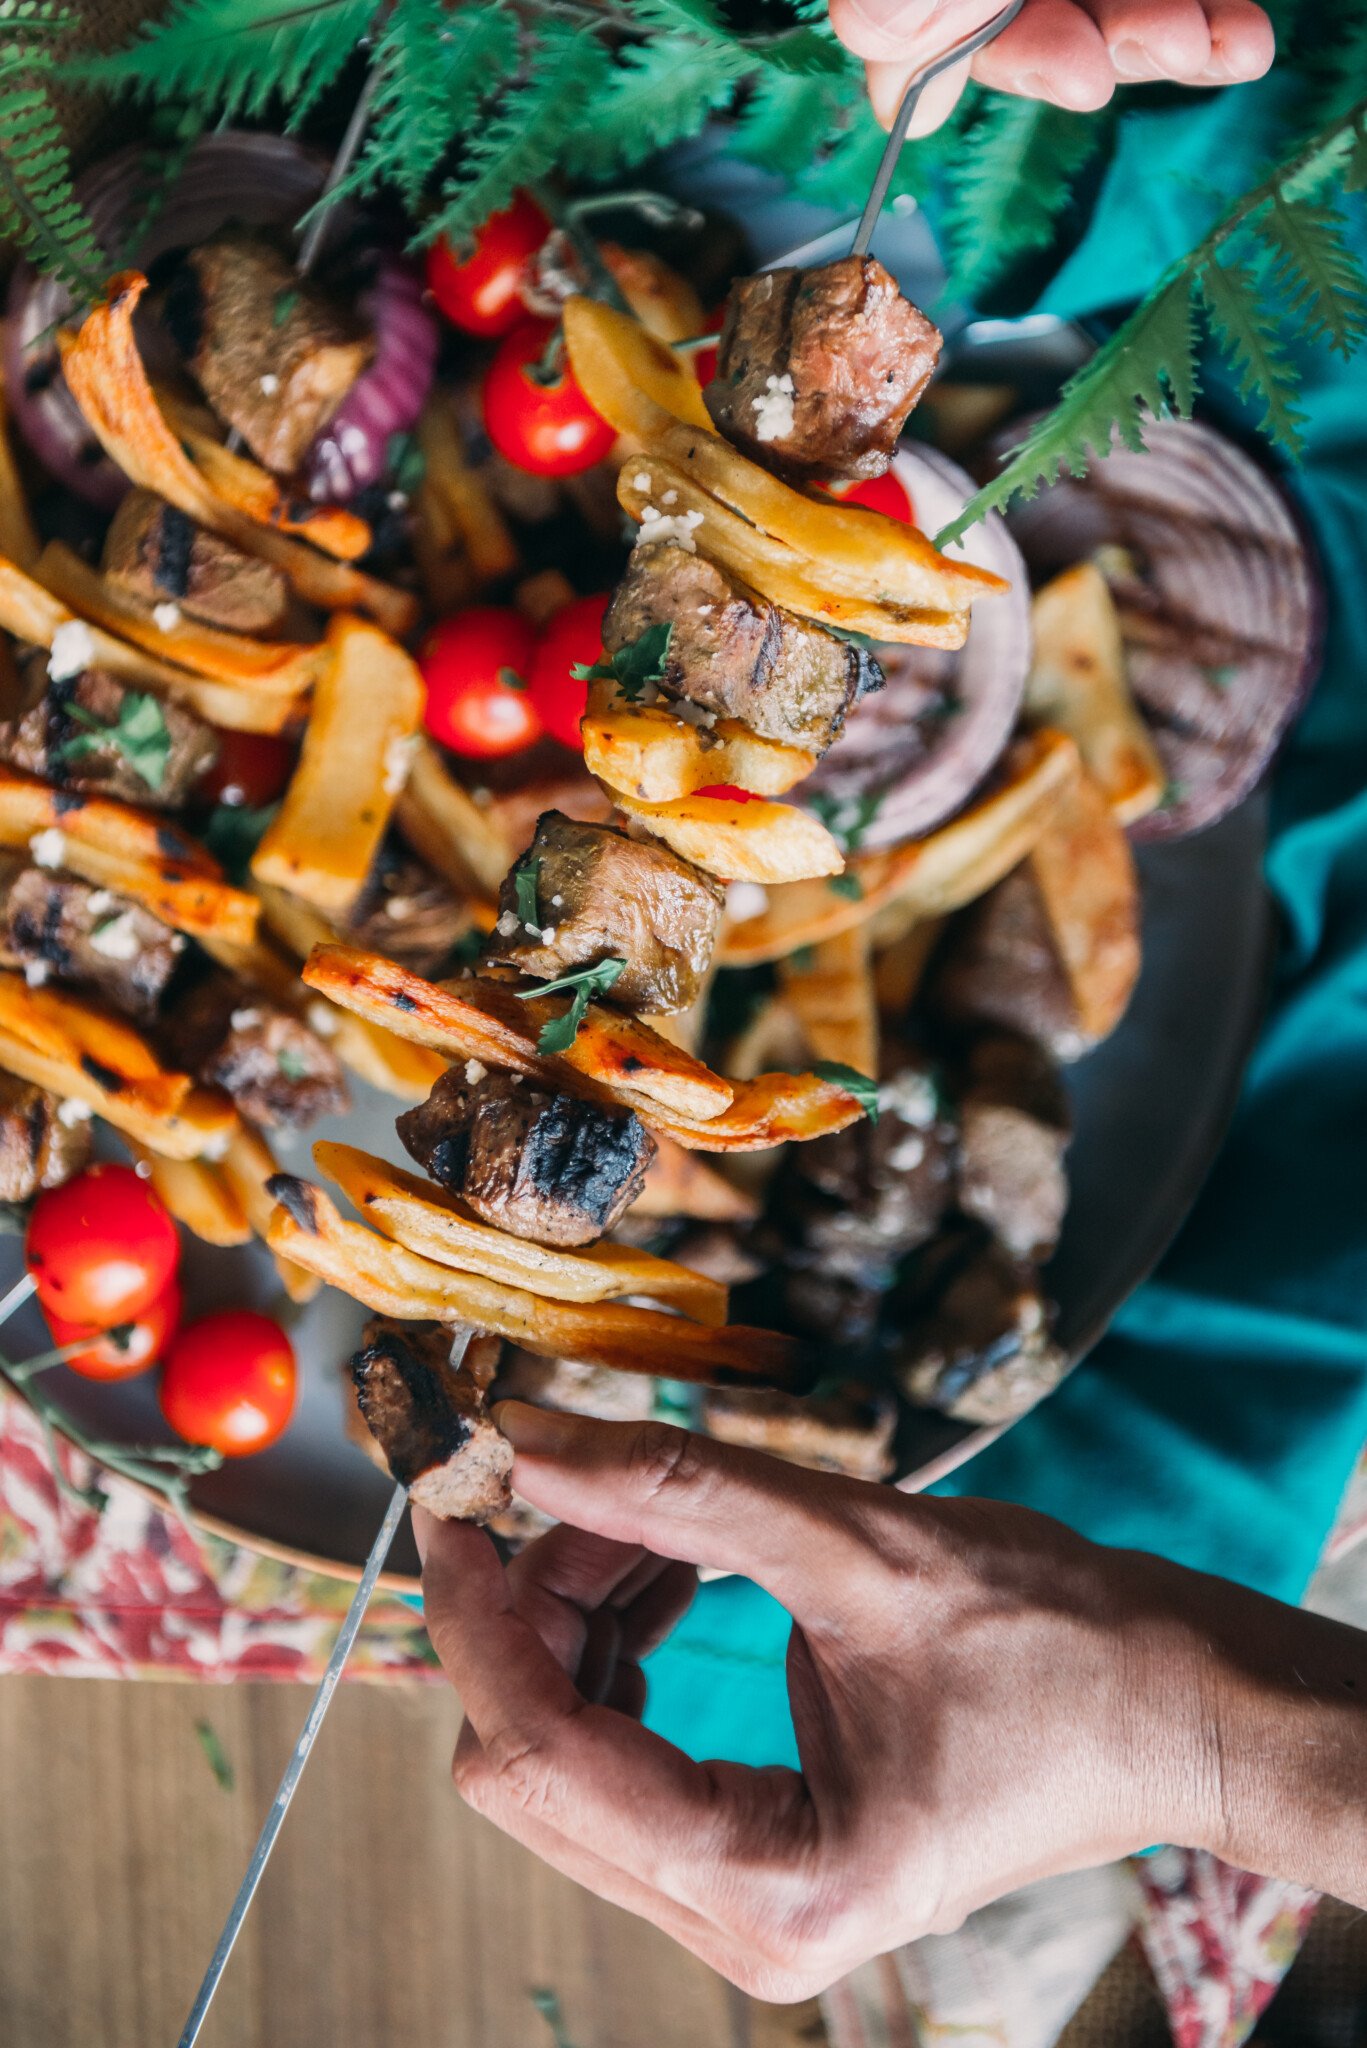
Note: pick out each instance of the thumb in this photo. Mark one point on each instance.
(888, 82)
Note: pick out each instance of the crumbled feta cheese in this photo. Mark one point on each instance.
(36, 972)
(177, 942)
(910, 1096)
(745, 900)
(641, 480)
(398, 759)
(705, 611)
(475, 1072)
(143, 1167)
(693, 714)
(269, 385)
(509, 925)
(907, 1153)
(215, 1147)
(400, 907)
(678, 527)
(117, 940)
(232, 794)
(72, 650)
(73, 1112)
(166, 617)
(245, 1020)
(397, 501)
(670, 498)
(102, 902)
(557, 900)
(774, 409)
(48, 848)
(322, 1018)
(481, 796)
(548, 934)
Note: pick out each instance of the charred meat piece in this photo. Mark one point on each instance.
(1000, 966)
(156, 553)
(601, 895)
(89, 732)
(430, 1420)
(43, 1140)
(849, 1432)
(274, 356)
(543, 1166)
(979, 1346)
(818, 369)
(276, 1070)
(735, 654)
(407, 912)
(56, 925)
(1013, 1132)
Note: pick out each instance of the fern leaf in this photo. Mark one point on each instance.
(567, 71)
(233, 57)
(1321, 284)
(841, 175)
(662, 92)
(1147, 366)
(783, 116)
(40, 214)
(1248, 333)
(1009, 183)
(807, 48)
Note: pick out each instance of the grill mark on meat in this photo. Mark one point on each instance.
(112, 1083)
(297, 1197)
(37, 1150)
(175, 540)
(65, 802)
(36, 1123)
(430, 1419)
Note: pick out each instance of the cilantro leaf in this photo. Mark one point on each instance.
(860, 1086)
(139, 733)
(586, 982)
(233, 834)
(526, 880)
(633, 668)
(292, 1064)
(846, 818)
(283, 304)
(846, 885)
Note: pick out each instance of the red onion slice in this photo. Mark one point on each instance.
(916, 750)
(352, 450)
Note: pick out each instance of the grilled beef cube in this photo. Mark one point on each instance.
(818, 369)
(43, 1140)
(849, 1432)
(430, 1420)
(156, 553)
(407, 912)
(276, 1070)
(1001, 966)
(734, 653)
(274, 356)
(59, 926)
(980, 1349)
(1013, 1120)
(601, 895)
(57, 734)
(543, 1166)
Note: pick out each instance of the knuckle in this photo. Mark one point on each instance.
(666, 1460)
(519, 1772)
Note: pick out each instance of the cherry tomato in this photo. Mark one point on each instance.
(729, 791)
(229, 1382)
(477, 288)
(145, 1337)
(535, 413)
(570, 636)
(886, 493)
(705, 359)
(252, 768)
(101, 1248)
(475, 665)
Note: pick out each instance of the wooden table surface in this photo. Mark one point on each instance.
(390, 1917)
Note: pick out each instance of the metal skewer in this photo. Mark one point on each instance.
(294, 1769)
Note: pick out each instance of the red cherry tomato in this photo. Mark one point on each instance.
(144, 1339)
(705, 359)
(886, 493)
(252, 768)
(475, 665)
(571, 636)
(229, 1382)
(101, 1248)
(729, 792)
(534, 411)
(477, 289)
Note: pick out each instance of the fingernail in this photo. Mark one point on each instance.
(534, 1430)
(1132, 61)
(422, 1530)
(1218, 72)
(889, 15)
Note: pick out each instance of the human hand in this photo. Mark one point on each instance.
(980, 1698)
(1073, 52)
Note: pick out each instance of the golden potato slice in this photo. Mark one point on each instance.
(394, 1281)
(444, 825)
(242, 483)
(655, 756)
(1084, 869)
(248, 1165)
(829, 989)
(679, 1183)
(740, 842)
(434, 1222)
(18, 536)
(1077, 683)
(626, 374)
(197, 1194)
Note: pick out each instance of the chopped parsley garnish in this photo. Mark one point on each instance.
(854, 639)
(634, 668)
(233, 833)
(139, 733)
(860, 1086)
(586, 982)
(292, 1064)
(1176, 793)
(525, 883)
(510, 678)
(846, 885)
(846, 818)
(405, 464)
(284, 304)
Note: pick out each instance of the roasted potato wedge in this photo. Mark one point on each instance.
(247, 1168)
(666, 304)
(443, 823)
(628, 375)
(1077, 684)
(829, 989)
(18, 536)
(655, 757)
(1084, 870)
(243, 484)
(680, 1183)
(394, 1281)
(367, 709)
(471, 511)
(430, 1220)
(196, 1192)
(743, 842)
(109, 383)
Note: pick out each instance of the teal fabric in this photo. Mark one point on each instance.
(1219, 1420)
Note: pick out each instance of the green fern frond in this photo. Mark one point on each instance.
(40, 214)
(662, 92)
(1147, 366)
(1009, 183)
(1311, 266)
(1249, 334)
(783, 114)
(234, 57)
(807, 48)
(840, 175)
(567, 70)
